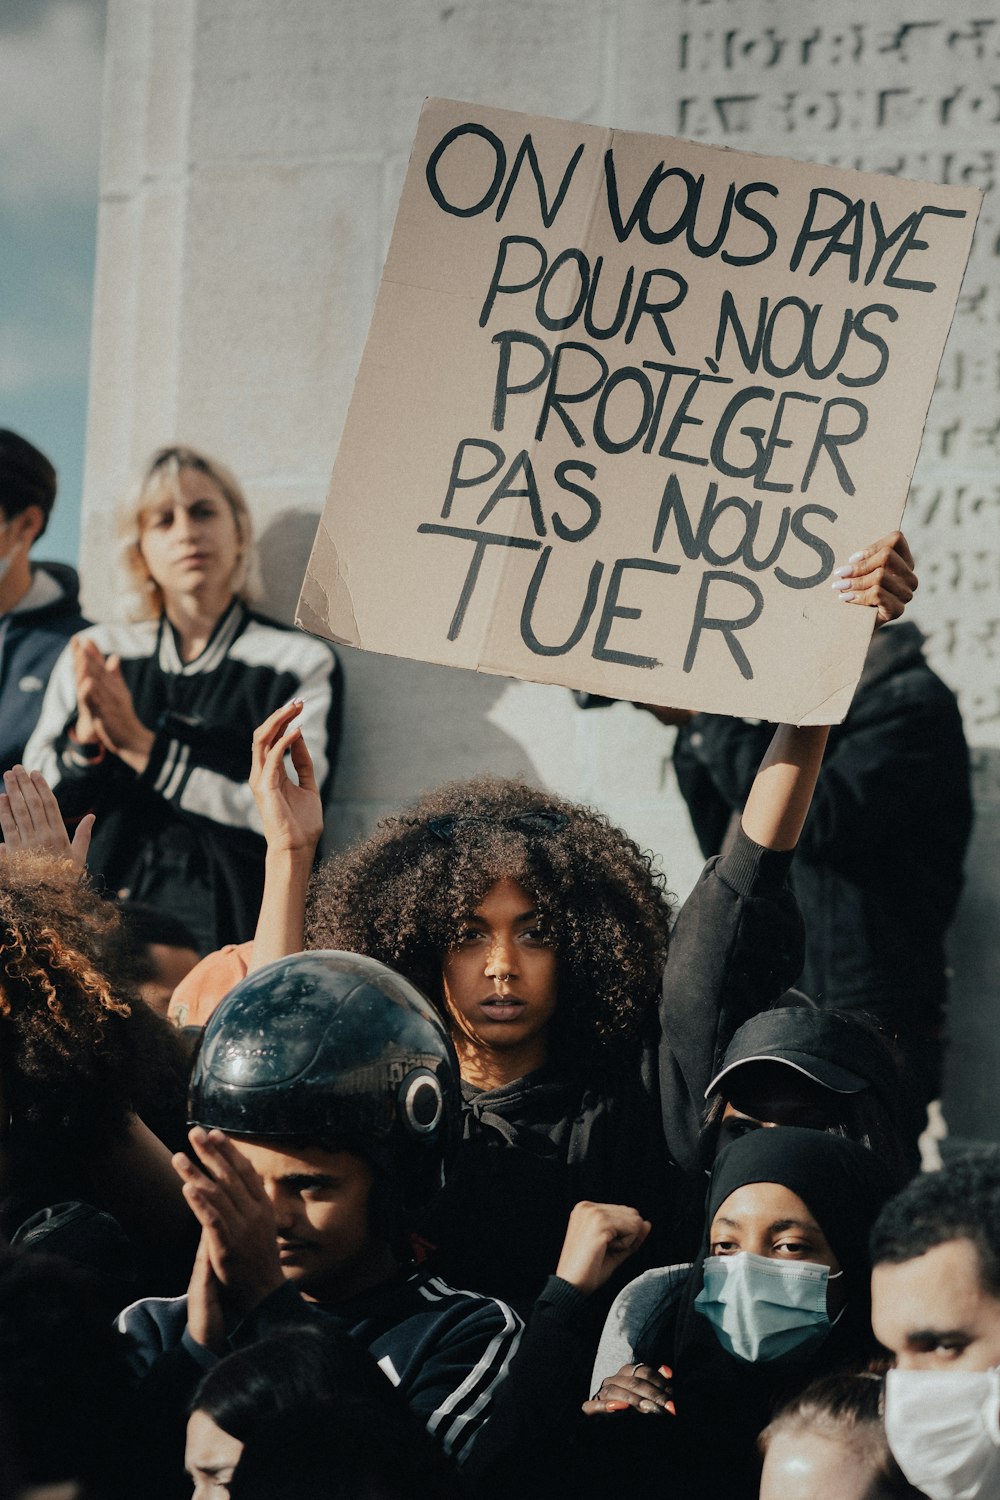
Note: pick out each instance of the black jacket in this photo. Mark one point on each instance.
(31, 641)
(878, 869)
(186, 835)
(628, 1131)
(446, 1351)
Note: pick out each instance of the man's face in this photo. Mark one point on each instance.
(934, 1313)
(320, 1202)
(17, 532)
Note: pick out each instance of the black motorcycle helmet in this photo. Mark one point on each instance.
(336, 1050)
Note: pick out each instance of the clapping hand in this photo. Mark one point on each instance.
(30, 819)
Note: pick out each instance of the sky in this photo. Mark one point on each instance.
(51, 60)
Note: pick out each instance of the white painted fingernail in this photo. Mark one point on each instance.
(855, 557)
(840, 583)
(846, 598)
(839, 572)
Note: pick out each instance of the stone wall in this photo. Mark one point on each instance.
(253, 155)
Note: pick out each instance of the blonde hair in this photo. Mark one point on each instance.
(161, 474)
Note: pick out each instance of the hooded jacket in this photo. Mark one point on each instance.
(186, 834)
(722, 1401)
(878, 869)
(31, 640)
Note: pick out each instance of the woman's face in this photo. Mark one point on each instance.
(766, 1218)
(210, 1456)
(500, 978)
(188, 536)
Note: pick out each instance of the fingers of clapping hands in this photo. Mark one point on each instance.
(220, 1180)
(643, 1387)
(205, 1317)
(880, 576)
(80, 847)
(228, 1199)
(30, 816)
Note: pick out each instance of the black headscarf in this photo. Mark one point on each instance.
(723, 1402)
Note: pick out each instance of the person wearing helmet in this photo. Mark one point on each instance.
(587, 1026)
(325, 1108)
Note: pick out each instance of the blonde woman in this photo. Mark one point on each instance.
(149, 724)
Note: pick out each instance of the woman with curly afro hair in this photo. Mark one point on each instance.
(541, 932)
(85, 1067)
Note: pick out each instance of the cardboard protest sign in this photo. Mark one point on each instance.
(625, 404)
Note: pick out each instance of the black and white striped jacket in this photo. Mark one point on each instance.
(447, 1351)
(188, 823)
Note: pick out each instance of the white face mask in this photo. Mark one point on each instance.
(943, 1427)
(7, 559)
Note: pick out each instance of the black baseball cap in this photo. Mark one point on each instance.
(840, 1052)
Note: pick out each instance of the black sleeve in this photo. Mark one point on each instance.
(897, 757)
(526, 1445)
(738, 943)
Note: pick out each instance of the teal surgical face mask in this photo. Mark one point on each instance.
(763, 1309)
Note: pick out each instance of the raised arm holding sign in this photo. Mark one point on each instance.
(542, 933)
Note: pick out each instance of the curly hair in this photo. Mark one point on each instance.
(402, 895)
(77, 1051)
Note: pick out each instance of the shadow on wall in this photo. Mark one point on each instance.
(973, 1058)
(407, 725)
(282, 553)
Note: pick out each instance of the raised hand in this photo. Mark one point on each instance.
(30, 819)
(880, 577)
(599, 1236)
(239, 1234)
(291, 811)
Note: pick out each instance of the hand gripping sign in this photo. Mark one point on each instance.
(625, 403)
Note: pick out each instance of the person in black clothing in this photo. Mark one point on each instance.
(541, 933)
(39, 605)
(324, 1387)
(896, 774)
(91, 1081)
(325, 1097)
(777, 1296)
(799, 1065)
(149, 724)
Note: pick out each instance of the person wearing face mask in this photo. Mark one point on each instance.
(777, 1297)
(936, 1307)
(39, 605)
(799, 1065)
(829, 1444)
